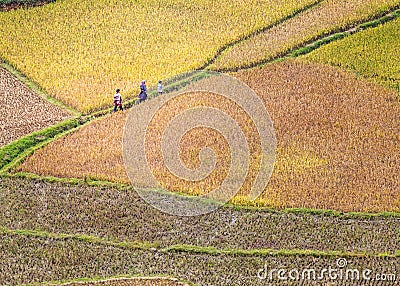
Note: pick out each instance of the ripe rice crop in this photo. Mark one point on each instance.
(101, 157)
(329, 16)
(81, 51)
(337, 142)
(344, 131)
(22, 111)
(373, 53)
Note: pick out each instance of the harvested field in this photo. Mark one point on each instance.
(338, 141)
(56, 258)
(22, 111)
(331, 15)
(136, 281)
(121, 215)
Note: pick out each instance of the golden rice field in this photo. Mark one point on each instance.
(329, 16)
(81, 51)
(373, 53)
(338, 142)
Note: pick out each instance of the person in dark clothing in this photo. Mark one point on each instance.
(117, 100)
(143, 91)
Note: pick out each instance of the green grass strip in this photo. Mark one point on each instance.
(268, 252)
(229, 206)
(334, 37)
(28, 152)
(314, 44)
(112, 278)
(15, 149)
(192, 249)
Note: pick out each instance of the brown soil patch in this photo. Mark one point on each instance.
(22, 111)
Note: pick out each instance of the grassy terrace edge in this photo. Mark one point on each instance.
(10, 152)
(259, 31)
(84, 280)
(14, 153)
(314, 44)
(192, 249)
(120, 186)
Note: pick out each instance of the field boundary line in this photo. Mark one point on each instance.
(95, 279)
(192, 249)
(9, 5)
(221, 50)
(322, 40)
(36, 88)
(14, 150)
(390, 16)
(121, 186)
(173, 84)
(19, 150)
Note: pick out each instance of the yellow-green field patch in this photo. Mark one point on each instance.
(337, 142)
(372, 53)
(330, 15)
(81, 51)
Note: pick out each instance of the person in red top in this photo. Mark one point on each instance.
(117, 100)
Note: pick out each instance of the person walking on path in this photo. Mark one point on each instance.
(159, 87)
(143, 92)
(117, 100)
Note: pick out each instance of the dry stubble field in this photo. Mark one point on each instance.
(22, 111)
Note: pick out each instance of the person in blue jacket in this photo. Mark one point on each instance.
(143, 91)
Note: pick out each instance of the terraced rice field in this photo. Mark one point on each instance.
(330, 214)
(344, 159)
(106, 231)
(137, 281)
(57, 258)
(119, 214)
(327, 17)
(22, 111)
(79, 52)
(372, 53)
